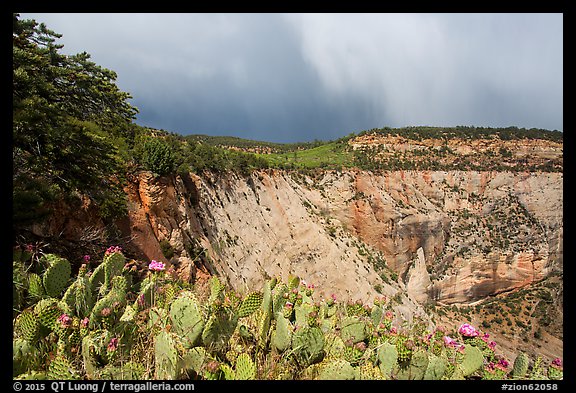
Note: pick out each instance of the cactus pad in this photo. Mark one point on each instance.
(250, 304)
(245, 368)
(337, 369)
(186, 317)
(352, 328)
(165, 356)
(56, 277)
(520, 367)
(308, 345)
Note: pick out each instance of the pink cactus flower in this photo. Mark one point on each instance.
(113, 344)
(557, 363)
(84, 323)
(360, 346)
(289, 305)
(156, 266)
(467, 330)
(112, 250)
(393, 330)
(86, 258)
(389, 315)
(492, 345)
(503, 364)
(64, 320)
(450, 342)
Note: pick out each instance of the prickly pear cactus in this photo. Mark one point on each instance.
(48, 312)
(555, 373)
(417, 367)
(94, 351)
(128, 371)
(472, 361)
(352, 328)
(308, 345)
(537, 372)
(387, 357)
(187, 319)
(354, 353)
(28, 326)
(520, 367)
(302, 313)
(436, 367)
(101, 278)
(337, 369)
(216, 290)
(278, 300)
(78, 297)
(376, 314)
(61, 369)
(56, 277)
(282, 336)
(25, 357)
(368, 371)
(293, 282)
(250, 304)
(113, 265)
(245, 368)
(35, 287)
(108, 310)
(165, 356)
(218, 330)
(404, 347)
(192, 361)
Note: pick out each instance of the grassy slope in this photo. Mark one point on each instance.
(329, 155)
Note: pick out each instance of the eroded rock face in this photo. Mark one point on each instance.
(453, 237)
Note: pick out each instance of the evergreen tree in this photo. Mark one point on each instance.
(64, 109)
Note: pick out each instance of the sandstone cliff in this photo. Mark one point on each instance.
(479, 233)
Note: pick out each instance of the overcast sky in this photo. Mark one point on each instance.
(299, 77)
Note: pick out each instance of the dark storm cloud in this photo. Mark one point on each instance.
(305, 76)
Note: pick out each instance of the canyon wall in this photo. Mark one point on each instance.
(451, 237)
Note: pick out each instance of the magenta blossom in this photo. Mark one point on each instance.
(86, 258)
(113, 249)
(288, 305)
(557, 363)
(84, 323)
(467, 330)
(448, 341)
(65, 320)
(156, 266)
(331, 300)
(503, 364)
(113, 344)
(492, 345)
